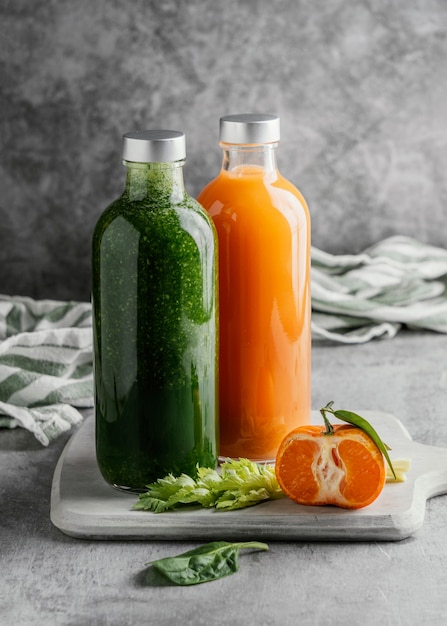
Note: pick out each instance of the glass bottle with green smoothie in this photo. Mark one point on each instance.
(154, 297)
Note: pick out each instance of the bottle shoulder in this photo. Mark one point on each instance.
(151, 216)
(239, 191)
(288, 186)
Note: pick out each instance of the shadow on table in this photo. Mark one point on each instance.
(150, 577)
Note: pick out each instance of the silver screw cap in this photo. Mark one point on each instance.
(249, 128)
(154, 146)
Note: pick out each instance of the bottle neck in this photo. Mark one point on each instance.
(155, 180)
(241, 158)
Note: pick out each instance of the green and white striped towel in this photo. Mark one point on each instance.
(397, 282)
(45, 365)
(46, 346)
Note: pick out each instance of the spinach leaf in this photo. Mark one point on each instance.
(206, 563)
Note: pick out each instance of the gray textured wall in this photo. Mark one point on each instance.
(361, 88)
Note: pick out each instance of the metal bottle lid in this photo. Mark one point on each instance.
(154, 146)
(249, 128)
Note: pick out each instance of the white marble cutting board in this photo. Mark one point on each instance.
(83, 505)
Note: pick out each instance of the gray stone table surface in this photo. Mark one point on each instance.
(49, 578)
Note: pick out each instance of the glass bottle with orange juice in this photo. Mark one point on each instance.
(263, 228)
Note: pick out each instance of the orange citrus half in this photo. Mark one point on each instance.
(345, 468)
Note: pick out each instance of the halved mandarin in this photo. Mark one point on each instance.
(344, 468)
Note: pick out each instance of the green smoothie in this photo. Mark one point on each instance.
(155, 331)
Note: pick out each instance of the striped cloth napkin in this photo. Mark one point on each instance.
(397, 282)
(46, 346)
(45, 365)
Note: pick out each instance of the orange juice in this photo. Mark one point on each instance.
(263, 228)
